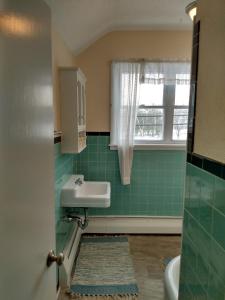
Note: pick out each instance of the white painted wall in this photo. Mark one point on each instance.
(83, 22)
(210, 110)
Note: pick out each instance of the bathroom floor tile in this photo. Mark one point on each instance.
(148, 252)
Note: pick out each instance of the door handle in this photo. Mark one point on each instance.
(55, 258)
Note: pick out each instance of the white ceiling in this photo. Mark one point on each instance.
(81, 22)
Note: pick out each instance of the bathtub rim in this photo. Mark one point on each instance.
(171, 286)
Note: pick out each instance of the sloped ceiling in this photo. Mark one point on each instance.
(81, 22)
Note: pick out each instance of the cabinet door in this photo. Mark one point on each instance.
(83, 105)
(79, 103)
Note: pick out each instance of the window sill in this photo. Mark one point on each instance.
(165, 147)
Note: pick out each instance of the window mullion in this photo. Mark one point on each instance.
(169, 93)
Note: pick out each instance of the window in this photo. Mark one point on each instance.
(180, 113)
(162, 114)
(150, 102)
(150, 115)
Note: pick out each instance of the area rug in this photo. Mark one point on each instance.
(104, 270)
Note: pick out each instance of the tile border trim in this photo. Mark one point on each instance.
(96, 133)
(57, 139)
(212, 166)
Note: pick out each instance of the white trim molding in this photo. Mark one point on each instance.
(181, 147)
(58, 293)
(134, 225)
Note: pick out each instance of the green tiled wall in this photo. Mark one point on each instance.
(203, 247)
(157, 181)
(156, 187)
(64, 166)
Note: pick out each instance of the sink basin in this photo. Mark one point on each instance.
(85, 193)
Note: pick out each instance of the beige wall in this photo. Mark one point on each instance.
(95, 63)
(210, 111)
(61, 57)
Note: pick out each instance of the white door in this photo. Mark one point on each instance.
(26, 152)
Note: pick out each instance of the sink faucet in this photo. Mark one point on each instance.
(78, 181)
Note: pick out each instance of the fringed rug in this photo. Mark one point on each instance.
(104, 270)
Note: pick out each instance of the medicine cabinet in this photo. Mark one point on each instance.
(73, 110)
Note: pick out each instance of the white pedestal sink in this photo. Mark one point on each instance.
(85, 193)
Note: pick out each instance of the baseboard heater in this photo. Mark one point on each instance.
(70, 252)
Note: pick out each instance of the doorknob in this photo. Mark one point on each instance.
(55, 258)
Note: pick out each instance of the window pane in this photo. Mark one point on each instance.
(180, 121)
(149, 124)
(151, 94)
(182, 90)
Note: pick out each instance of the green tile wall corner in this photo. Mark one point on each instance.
(203, 247)
(157, 183)
(64, 166)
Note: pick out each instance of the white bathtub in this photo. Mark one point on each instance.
(171, 279)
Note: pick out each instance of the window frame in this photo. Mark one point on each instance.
(151, 67)
(169, 108)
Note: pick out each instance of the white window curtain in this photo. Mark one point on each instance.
(165, 72)
(125, 96)
(129, 80)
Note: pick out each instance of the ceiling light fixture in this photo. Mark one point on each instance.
(191, 9)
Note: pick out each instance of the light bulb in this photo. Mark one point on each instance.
(191, 9)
